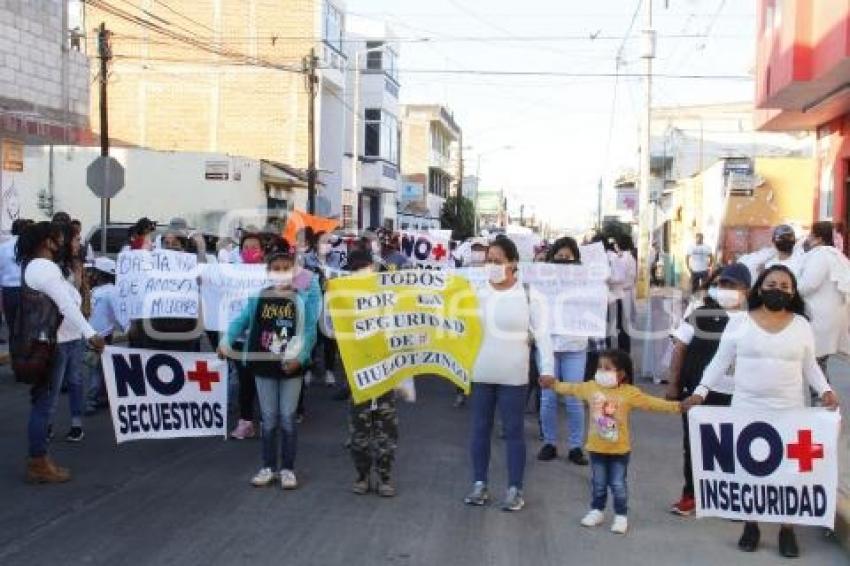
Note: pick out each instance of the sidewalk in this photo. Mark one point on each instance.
(839, 373)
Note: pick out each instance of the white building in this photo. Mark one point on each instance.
(214, 192)
(372, 180)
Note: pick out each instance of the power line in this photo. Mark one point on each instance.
(185, 17)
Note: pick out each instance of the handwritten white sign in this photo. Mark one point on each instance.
(157, 284)
(224, 290)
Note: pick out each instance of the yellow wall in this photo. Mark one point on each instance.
(166, 95)
(786, 195)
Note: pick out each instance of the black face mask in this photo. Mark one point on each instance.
(561, 261)
(775, 300)
(784, 246)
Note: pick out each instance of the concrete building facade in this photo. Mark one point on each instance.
(429, 156)
(44, 89)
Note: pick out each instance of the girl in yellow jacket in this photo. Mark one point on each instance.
(610, 397)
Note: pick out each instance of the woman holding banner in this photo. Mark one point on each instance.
(511, 313)
(570, 359)
(773, 351)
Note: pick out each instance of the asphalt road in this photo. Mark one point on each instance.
(189, 501)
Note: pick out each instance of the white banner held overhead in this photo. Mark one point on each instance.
(165, 394)
(770, 466)
(157, 284)
(225, 288)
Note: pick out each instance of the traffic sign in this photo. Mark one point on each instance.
(105, 176)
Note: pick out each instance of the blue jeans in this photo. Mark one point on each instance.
(569, 367)
(40, 396)
(278, 403)
(68, 368)
(511, 402)
(609, 471)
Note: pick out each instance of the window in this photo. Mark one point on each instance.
(438, 183)
(373, 133)
(381, 135)
(439, 142)
(380, 57)
(333, 26)
(374, 55)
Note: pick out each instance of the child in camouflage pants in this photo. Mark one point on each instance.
(374, 434)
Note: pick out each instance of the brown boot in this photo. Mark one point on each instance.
(43, 470)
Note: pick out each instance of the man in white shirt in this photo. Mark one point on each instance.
(699, 261)
(10, 275)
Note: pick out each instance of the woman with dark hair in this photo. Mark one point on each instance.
(46, 299)
(68, 364)
(510, 313)
(825, 286)
(570, 359)
(773, 351)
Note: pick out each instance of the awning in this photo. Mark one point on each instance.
(280, 173)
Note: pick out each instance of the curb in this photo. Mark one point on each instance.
(842, 521)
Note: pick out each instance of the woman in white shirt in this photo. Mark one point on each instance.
(510, 313)
(46, 295)
(773, 350)
(824, 285)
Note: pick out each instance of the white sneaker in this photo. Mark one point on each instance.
(329, 378)
(620, 525)
(308, 377)
(594, 518)
(287, 479)
(263, 478)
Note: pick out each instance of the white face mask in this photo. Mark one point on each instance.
(324, 249)
(477, 257)
(727, 298)
(497, 273)
(281, 278)
(606, 379)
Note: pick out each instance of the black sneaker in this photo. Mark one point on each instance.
(749, 540)
(577, 457)
(76, 434)
(547, 453)
(788, 543)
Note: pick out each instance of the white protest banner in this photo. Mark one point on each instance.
(157, 284)
(525, 244)
(772, 466)
(165, 394)
(426, 249)
(224, 290)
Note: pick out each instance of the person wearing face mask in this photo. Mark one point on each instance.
(825, 287)
(281, 329)
(47, 300)
(510, 314)
(773, 351)
(786, 250)
(477, 253)
(250, 253)
(570, 358)
(695, 342)
(611, 398)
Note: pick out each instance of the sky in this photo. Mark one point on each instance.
(566, 132)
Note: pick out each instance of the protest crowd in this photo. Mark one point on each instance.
(755, 336)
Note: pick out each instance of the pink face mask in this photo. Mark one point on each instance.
(252, 255)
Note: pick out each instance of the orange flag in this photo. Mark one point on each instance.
(298, 220)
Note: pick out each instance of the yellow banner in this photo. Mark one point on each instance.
(396, 325)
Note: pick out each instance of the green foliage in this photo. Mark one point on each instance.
(462, 225)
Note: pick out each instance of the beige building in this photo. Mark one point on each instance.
(226, 76)
(429, 158)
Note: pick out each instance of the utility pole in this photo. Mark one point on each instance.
(645, 230)
(459, 194)
(104, 53)
(599, 205)
(309, 65)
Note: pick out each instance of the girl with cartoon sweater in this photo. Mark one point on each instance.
(610, 398)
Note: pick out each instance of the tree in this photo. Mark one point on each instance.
(462, 225)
